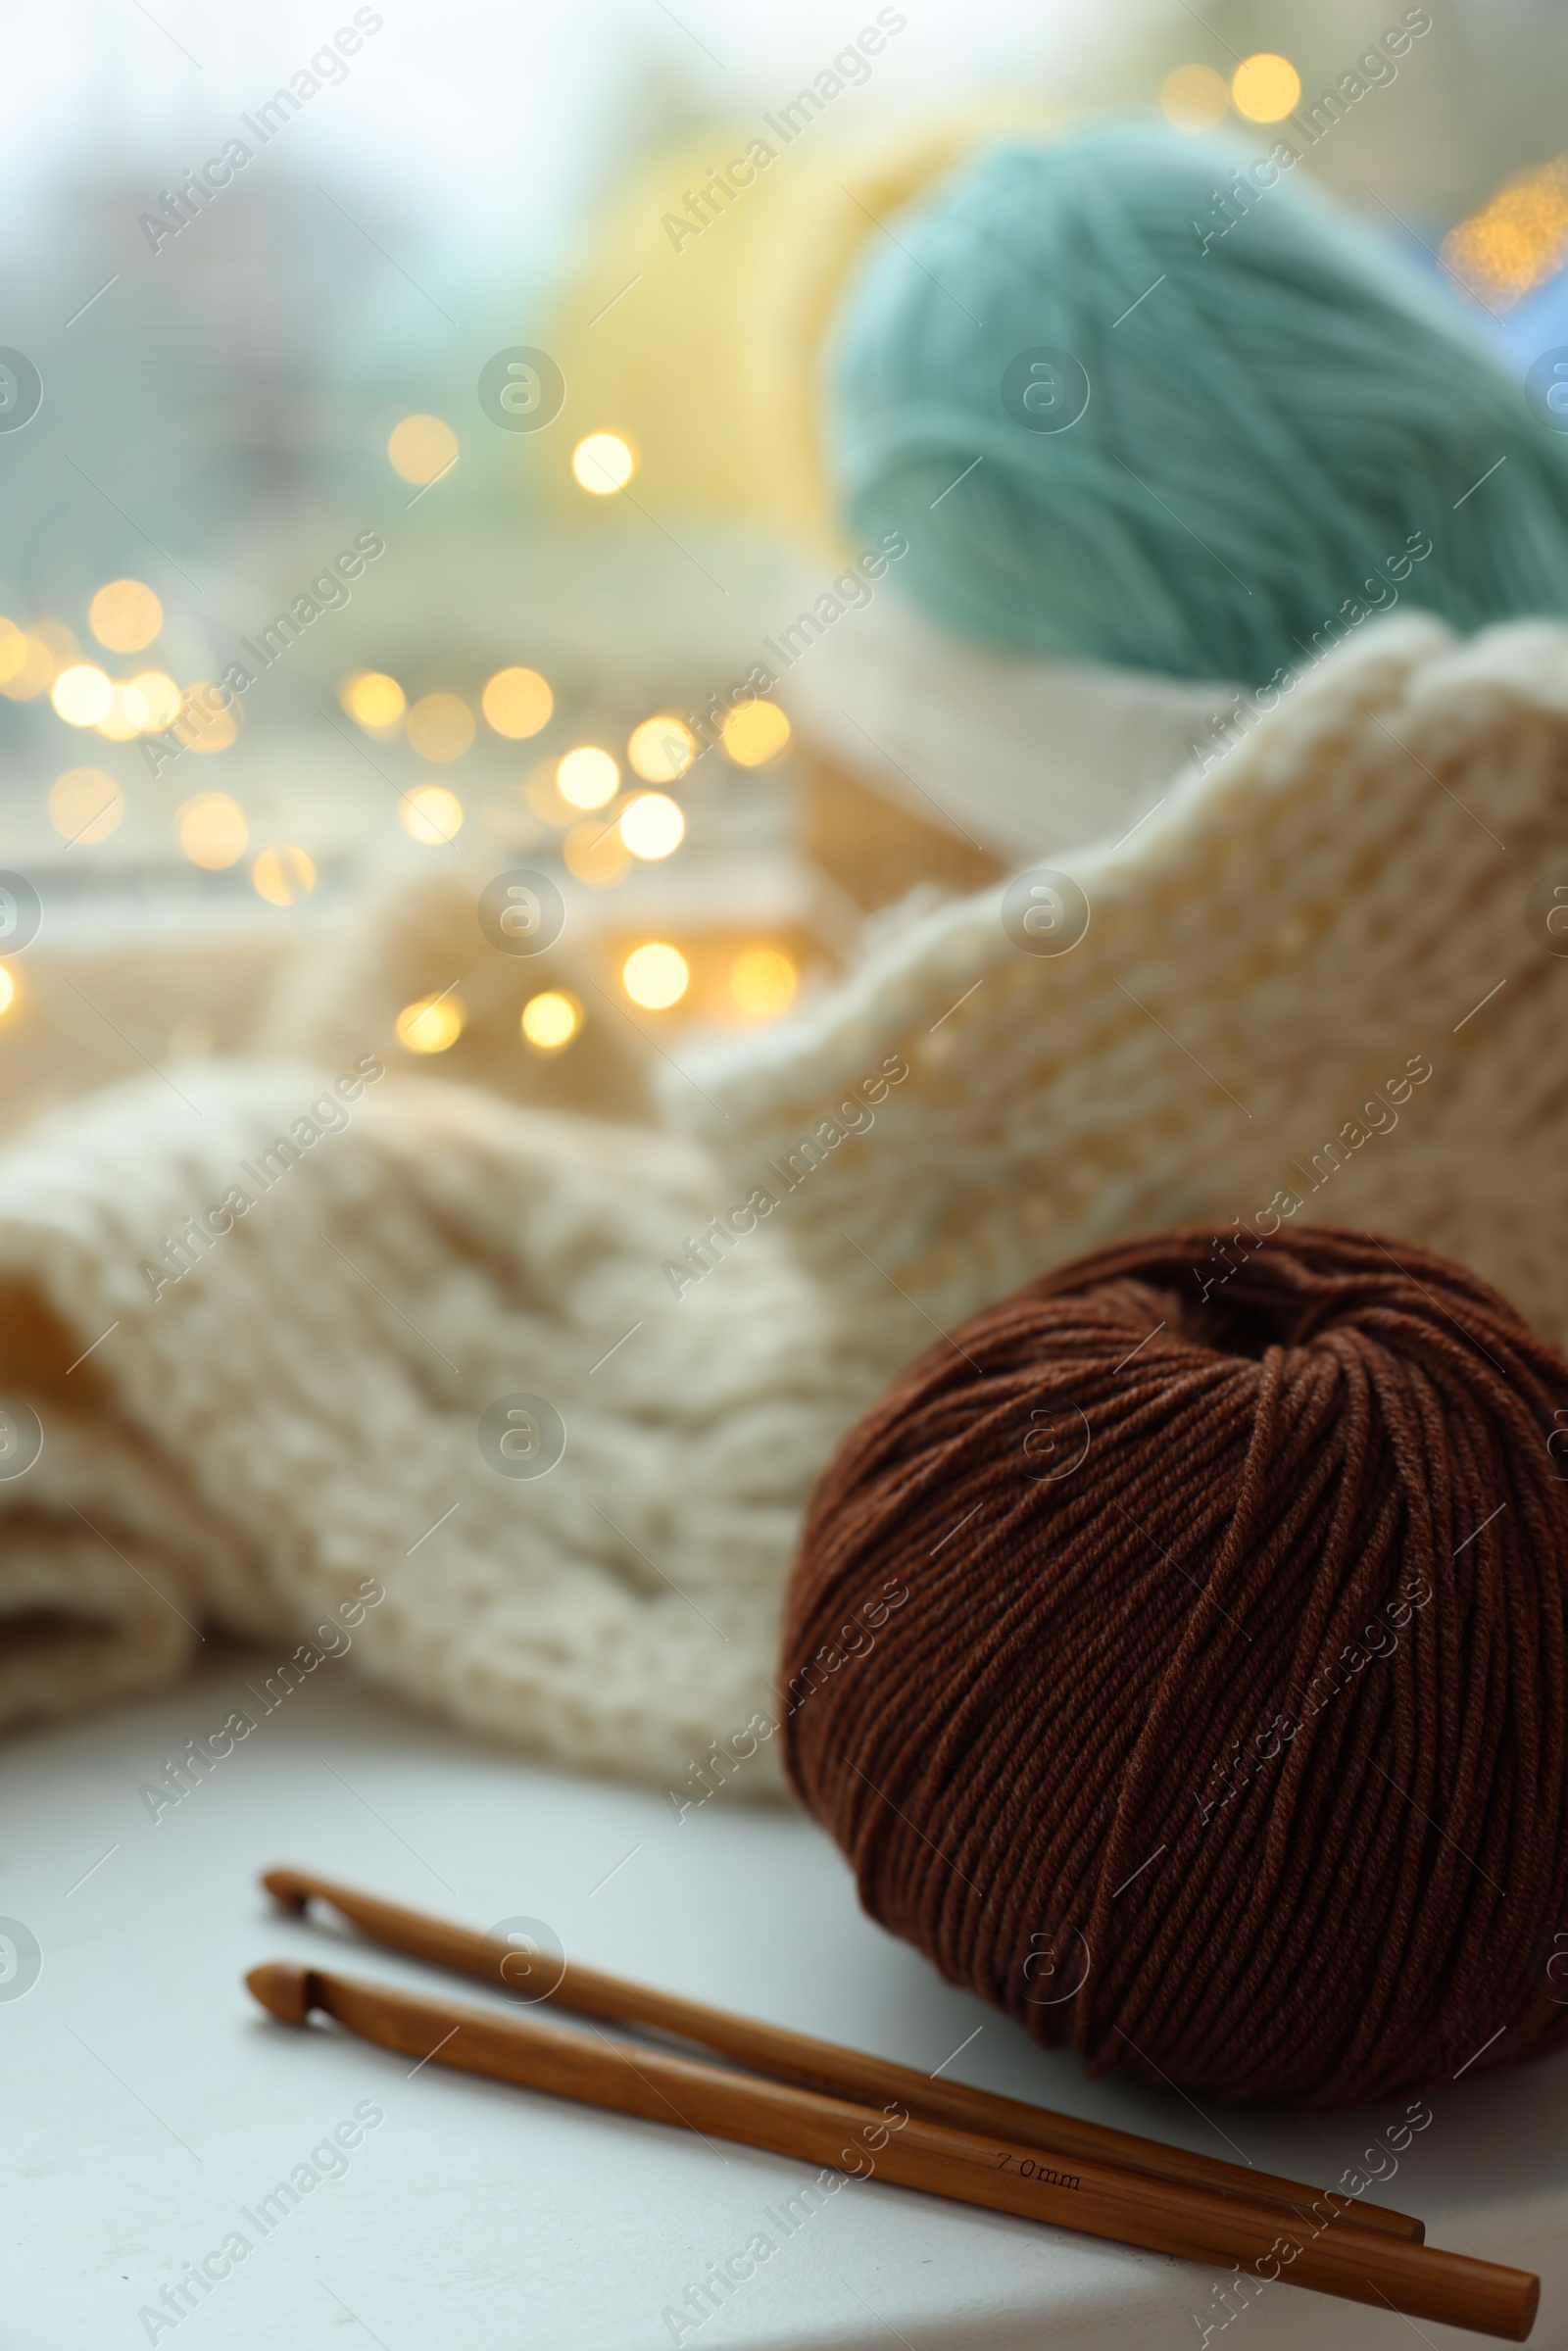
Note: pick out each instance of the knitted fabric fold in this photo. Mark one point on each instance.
(1317, 982)
(290, 1425)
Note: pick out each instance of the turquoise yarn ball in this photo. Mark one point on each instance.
(1273, 418)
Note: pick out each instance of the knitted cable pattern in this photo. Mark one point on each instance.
(296, 1413)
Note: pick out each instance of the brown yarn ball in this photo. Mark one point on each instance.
(1222, 1730)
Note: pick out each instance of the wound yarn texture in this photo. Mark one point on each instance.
(1276, 410)
(1224, 1736)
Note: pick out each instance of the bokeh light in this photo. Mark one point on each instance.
(26, 665)
(550, 1020)
(588, 777)
(205, 724)
(420, 447)
(1194, 98)
(1265, 87)
(651, 825)
(85, 805)
(60, 642)
(656, 975)
(516, 703)
(212, 831)
(126, 615)
(7, 989)
(543, 796)
(594, 853)
(763, 982)
(440, 726)
(126, 717)
(158, 698)
(431, 1025)
(82, 694)
(756, 733)
(660, 750)
(603, 463)
(373, 701)
(1515, 243)
(284, 874)
(431, 815)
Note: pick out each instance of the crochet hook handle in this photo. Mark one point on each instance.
(1417, 2280)
(819, 2065)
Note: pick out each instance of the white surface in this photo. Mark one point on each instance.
(147, 2100)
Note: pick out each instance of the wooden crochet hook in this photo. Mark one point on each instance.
(823, 2066)
(1353, 2264)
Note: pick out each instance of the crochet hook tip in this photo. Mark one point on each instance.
(291, 1887)
(284, 1991)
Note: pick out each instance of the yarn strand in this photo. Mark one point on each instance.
(1254, 1717)
(1268, 435)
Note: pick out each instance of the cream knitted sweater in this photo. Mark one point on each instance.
(291, 1428)
(1318, 981)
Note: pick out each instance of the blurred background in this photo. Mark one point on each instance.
(408, 457)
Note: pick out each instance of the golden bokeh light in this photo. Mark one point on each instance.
(82, 694)
(431, 815)
(284, 874)
(205, 723)
(756, 733)
(1265, 87)
(543, 796)
(420, 447)
(85, 805)
(126, 717)
(215, 730)
(656, 975)
(126, 615)
(440, 726)
(594, 852)
(373, 701)
(7, 989)
(1515, 243)
(588, 777)
(651, 825)
(1194, 98)
(156, 697)
(660, 750)
(26, 665)
(516, 703)
(60, 642)
(212, 831)
(603, 463)
(550, 1020)
(13, 649)
(431, 1025)
(763, 982)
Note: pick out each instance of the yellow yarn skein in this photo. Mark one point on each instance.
(696, 340)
